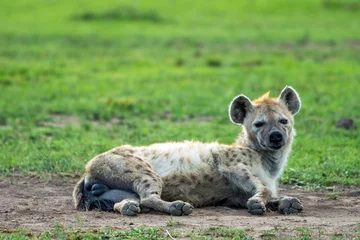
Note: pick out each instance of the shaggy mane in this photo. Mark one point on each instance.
(264, 99)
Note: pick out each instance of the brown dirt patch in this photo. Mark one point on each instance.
(37, 204)
(62, 121)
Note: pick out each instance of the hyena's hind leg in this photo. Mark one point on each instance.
(134, 174)
(175, 208)
(149, 187)
(127, 203)
(100, 196)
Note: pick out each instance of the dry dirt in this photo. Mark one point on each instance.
(37, 204)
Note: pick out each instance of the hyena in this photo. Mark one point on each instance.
(175, 177)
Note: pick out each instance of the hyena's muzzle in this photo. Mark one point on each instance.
(276, 139)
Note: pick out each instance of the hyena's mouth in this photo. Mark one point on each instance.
(276, 146)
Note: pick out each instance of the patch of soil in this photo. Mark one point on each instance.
(37, 204)
(62, 121)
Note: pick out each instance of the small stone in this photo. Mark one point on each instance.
(346, 123)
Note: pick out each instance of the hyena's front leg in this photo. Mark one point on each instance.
(242, 178)
(285, 205)
(133, 173)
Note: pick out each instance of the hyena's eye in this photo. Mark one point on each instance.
(259, 124)
(283, 121)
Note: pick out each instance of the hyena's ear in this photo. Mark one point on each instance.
(291, 99)
(239, 108)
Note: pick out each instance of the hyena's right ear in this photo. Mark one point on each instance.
(239, 108)
(291, 99)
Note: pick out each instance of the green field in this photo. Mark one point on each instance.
(80, 77)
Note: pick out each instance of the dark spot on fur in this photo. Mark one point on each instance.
(211, 179)
(147, 185)
(243, 153)
(238, 160)
(154, 193)
(138, 179)
(183, 180)
(226, 154)
(231, 159)
(245, 163)
(245, 174)
(145, 181)
(155, 179)
(234, 156)
(138, 167)
(148, 174)
(193, 177)
(128, 171)
(227, 164)
(246, 177)
(206, 177)
(139, 159)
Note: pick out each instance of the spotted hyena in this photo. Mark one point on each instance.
(176, 177)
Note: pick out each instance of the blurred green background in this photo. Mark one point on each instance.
(80, 77)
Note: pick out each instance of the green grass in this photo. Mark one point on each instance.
(62, 233)
(220, 233)
(78, 78)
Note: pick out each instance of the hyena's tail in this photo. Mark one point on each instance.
(78, 194)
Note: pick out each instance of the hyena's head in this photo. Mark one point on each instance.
(267, 122)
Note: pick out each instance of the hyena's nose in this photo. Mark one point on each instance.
(276, 137)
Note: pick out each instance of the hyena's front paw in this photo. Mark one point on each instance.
(255, 206)
(289, 205)
(128, 208)
(180, 208)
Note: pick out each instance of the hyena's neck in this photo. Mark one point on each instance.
(275, 161)
(272, 161)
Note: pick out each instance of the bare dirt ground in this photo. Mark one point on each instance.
(37, 204)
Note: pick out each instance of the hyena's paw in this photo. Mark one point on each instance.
(255, 206)
(288, 205)
(128, 208)
(180, 208)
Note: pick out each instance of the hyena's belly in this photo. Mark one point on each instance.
(197, 189)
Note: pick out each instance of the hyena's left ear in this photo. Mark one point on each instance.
(291, 99)
(239, 109)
